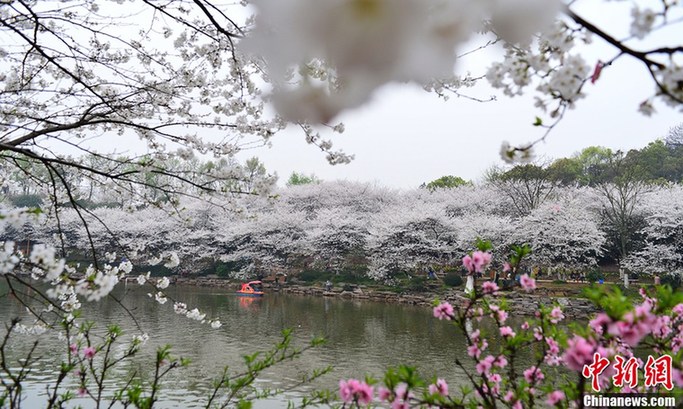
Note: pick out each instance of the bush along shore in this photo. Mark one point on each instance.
(519, 302)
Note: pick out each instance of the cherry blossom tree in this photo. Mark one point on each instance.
(564, 234)
(662, 233)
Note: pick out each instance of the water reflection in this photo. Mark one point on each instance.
(363, 338)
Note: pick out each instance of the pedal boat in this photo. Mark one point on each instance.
(251, 289)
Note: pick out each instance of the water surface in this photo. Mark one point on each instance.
(363, 337)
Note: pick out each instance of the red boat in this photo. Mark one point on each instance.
(251, 289)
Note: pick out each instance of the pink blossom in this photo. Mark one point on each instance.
(525, 325)
(677, 377)
(82, 392)
(527, 283)
(553, 360)
(533, 375)
(89, 352)
(383, 394)
(597, 71)
(661, 327)
(467, 263)
(474, 351)
(489, 287)
(345, 391)
(507, 332)
(502, 316)
(485, 364)
(501, 361)
(443, 311)
(402, 397)
(509, 396)
(600, 322)
(538, 333)
(397, 404)
(556, 315)
(474, 336)
(73, 348)
(629, 330)
(478, 260)
(579, 353)
(678, 310)
(439, 388)
(644, 311)
(553, 346)
(677, 342)
(554, 397)
(487, 257)
(517, 405)
(506, 267)
(354, 389)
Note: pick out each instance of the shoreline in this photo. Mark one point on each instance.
(519, 302)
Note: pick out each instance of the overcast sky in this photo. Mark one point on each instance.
(407, 136)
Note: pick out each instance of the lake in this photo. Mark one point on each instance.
(363, 337)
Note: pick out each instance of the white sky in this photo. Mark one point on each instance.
(407, 136)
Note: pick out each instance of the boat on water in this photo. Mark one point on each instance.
(251, 289)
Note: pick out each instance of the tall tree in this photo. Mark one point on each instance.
(621, 193)
(527, 186)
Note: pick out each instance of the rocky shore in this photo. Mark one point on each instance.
(519, 302)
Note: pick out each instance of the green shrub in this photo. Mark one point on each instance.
(453, 279)
(417, 284)
(309, 276)
(222, 270)
(594, 275)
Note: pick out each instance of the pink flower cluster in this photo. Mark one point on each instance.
(579, 352)
(527, 283)
(477, 261)
(489, 287)
(400, 396)
(355, 390)
(440, 387)
(637, 324)
(478, 345)
(88, 352)
(443, 311)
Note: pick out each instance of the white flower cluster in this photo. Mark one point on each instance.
(159, 297)
(45, 263)
(343, 50)
(642, 23)
(8, 258)
(195, 314)
(170, 259)
(562, 74)
(138, 341)
(66, 295)
(97, 284)
(671, 79)
(16, 218)
(512, 155)
(37, 329)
